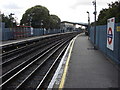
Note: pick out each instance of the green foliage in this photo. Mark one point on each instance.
(36, 17)
(112, 11)
(9, 21)
(39, 17)
(54, 22)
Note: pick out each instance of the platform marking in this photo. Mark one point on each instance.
(51, 85)
(66, 65)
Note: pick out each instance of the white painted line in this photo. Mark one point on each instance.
(63, 78)
(59, 67)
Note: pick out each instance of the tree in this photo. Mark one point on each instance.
(102, 17)
(54, 22)
(112, 11)
(36, 16)
(9, 21)
(39, 17)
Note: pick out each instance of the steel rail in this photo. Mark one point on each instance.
(40, 65)
(25, 66)
(22, 54)
(21, 49)
(41, 82)
(18, 67)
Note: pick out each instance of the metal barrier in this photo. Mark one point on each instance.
(37, 32)
(26, 31)
(101, 41)
(17, 33)
(21, 32)
(7, 34)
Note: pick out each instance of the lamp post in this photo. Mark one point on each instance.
(95, 12)
(30, 18)
(41, 24)
(88, 23)
(11, 19)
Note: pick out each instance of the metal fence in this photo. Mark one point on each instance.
(7, 34)
(101, 41)
(14, 33)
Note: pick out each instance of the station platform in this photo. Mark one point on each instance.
(3, 43)
(9, 42)
(84, 67)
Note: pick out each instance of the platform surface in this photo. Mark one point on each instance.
(8, 42)
(89, 68)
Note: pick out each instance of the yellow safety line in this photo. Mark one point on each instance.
(66, 67)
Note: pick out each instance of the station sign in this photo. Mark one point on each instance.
(110, 33)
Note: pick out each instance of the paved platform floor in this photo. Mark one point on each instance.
(8, 42)
(89, 68)
(2, 43)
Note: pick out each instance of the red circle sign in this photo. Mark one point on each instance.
(110, 36)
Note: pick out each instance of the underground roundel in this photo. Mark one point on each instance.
(110, 36)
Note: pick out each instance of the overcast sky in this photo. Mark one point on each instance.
(67, 10)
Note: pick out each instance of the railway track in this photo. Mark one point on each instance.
(18, 48)
(24, 55)
(32, 68)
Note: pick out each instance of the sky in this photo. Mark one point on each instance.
(67, 10)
